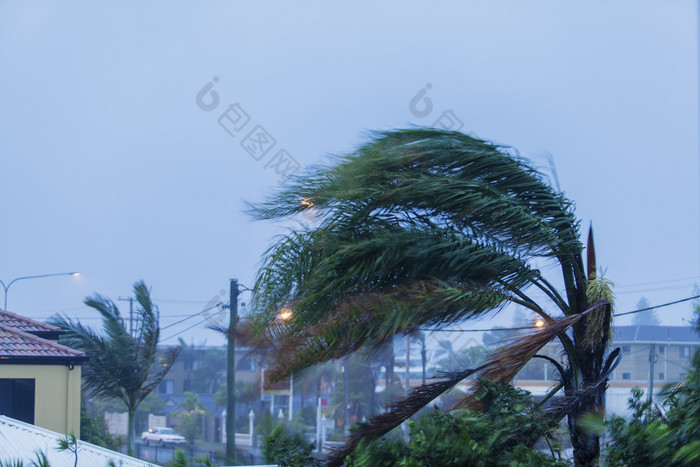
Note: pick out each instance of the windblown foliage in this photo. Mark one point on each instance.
(121, 366)
(427, 228)
(493, 437)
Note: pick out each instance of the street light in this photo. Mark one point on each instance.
(6, 287)
(285, 314)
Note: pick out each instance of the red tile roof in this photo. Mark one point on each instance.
(20, 345)
(9, 319)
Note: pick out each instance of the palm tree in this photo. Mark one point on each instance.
(191, 416)
(426, 228)
(121, 366)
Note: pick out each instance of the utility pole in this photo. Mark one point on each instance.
(231, 374)
(346, 384)
(408, 364)
(652, 358)
(131, 313)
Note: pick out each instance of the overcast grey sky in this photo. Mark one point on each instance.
(109, 167)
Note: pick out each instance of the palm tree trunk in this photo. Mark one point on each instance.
(131, 432)
(590, 357)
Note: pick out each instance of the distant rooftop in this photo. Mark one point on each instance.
(656, 334)
(16, 345)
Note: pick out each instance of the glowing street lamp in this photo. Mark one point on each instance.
(285, 314)
(539, 323)
(6, 287)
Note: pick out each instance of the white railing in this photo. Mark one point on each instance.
(244, 439)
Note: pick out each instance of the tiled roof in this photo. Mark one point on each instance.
(666, 334)
(16, 344)
(11, 320)
(19, 441)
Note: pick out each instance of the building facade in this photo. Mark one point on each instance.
(39, 378)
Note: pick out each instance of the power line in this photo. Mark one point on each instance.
(656, 282)
(655, 289)
(186, 329)
(535, 327)
(658, 306)
(478, 330)
(190, 317)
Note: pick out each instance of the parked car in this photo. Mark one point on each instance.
(161, 436)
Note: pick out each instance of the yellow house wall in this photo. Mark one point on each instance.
(56, 394)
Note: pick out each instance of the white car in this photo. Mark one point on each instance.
(161, 436)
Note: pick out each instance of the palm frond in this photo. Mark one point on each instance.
(373, 319)
(399, 412)
(496, 195)
(562, 406)
(507, 361)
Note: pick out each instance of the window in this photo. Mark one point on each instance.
(246, 364)
(17, 399)
(281, 403)
(684, 351)
(625, 349)
(166, 386)
(626, 375)
(662, 376)
(662, 349)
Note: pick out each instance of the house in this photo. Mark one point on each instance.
(669, 346)
(19, 442)
(656, 355)
(39, 378)
(203, 370)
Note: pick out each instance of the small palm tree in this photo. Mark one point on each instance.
(121, 366)
(192, 414)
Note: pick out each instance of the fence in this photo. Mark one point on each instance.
(162, 454)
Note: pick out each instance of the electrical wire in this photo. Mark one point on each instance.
(186, 329)
(190, 317)
(535, 327)
(657, 306)
(627, 286)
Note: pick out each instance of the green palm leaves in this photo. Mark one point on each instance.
(418, 227)
(121, 366)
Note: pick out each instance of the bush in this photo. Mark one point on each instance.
(94, 430)
(288, 448)
(496, 437)
(653, 438)
(307, 415)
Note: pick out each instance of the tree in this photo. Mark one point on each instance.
(288, 448)
(121, 366)
(645, 318)
(469, 357)
(191, 416)
(94, 430)
(489, 438)
(426, 228)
